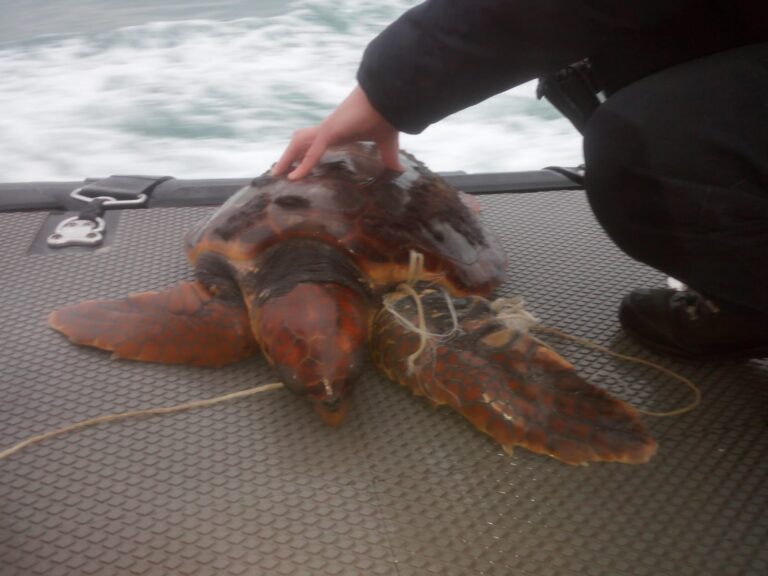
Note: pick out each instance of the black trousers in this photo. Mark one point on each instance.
(677, 173)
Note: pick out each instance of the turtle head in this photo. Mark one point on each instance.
(315, 335)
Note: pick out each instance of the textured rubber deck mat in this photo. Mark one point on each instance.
(261, 486)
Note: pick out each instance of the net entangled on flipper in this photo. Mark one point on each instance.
(512, 313)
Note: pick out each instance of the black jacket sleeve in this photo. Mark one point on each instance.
(445, 55)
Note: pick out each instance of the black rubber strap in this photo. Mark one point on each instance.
(575, 175)
(93, 210)
(574, 91)
(123, 187)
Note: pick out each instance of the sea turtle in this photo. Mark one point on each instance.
(354, 256)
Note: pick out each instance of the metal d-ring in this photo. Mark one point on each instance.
(108, 200)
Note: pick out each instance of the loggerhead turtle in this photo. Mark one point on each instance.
(314, 274)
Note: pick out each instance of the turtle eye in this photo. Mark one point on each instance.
(293, 381)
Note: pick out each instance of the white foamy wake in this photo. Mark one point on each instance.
(200, 99)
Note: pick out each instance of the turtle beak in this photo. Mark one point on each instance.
(332, 406)
(332, 412)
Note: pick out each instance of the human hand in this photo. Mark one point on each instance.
(353, 120)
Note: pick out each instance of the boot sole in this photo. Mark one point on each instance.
(720, 356)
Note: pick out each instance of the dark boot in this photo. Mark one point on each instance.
(684, 323)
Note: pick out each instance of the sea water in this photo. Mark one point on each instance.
(214, 89)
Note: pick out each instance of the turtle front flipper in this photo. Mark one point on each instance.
(507, 383)
(185, 324)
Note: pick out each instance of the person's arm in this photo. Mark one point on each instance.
(445, 55)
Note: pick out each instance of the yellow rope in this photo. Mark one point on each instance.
(137, 413)
(415, 267)
(516, 313)
(422, 327)
(588, 343)
(512, 312)
(415, 271)
(389, 304)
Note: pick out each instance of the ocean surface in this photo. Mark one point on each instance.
(200, 89)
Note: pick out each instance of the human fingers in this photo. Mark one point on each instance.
(296, 149)
(311, 158)
(389, 151)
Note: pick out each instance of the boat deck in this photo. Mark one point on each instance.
(261, 486)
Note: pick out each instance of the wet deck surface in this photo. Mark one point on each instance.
(260, 486)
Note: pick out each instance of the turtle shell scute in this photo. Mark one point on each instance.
(378, 216)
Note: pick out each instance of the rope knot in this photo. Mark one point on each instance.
(512, 313)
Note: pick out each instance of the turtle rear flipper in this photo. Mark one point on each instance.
(507, 383)
(184, 324)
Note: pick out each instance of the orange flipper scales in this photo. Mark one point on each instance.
(185, 324)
